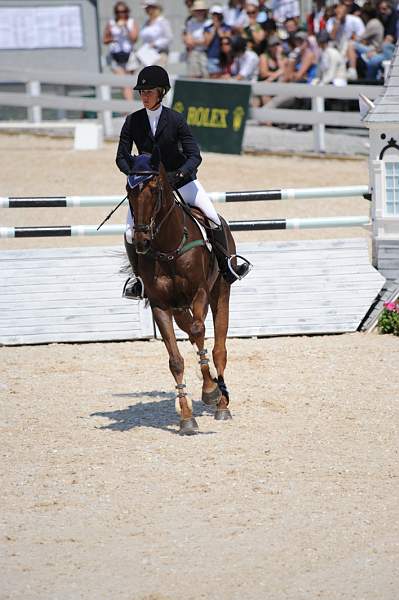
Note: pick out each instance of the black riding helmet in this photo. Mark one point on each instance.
(153, 77)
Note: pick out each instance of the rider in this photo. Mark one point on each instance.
(155, 124)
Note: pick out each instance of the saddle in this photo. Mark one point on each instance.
(196, 215)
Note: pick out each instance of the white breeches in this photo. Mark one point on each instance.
(193, 194)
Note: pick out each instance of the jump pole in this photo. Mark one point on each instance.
(250, 196)
(258, 225)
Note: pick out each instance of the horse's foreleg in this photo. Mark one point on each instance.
(163, 319)
(210, 391)
(220, 299)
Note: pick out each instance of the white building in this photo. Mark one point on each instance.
(383, 124)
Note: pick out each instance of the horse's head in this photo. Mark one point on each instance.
(145, 191)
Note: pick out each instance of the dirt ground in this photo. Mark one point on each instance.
(295, 499)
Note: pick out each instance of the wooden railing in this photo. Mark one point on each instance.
(104, 105)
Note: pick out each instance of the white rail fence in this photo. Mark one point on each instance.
(102, 102)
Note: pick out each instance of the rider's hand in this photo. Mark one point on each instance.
(178, 179)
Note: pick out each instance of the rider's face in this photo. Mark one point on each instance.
(149, 98)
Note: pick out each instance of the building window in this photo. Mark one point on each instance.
(392, 188)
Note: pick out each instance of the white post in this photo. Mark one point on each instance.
(106, 115)
(33, 88)
(319, 137)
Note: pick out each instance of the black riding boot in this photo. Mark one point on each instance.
(134, 286)
(230, 272)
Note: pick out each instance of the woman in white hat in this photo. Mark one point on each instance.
(193, 38)
(156, 31)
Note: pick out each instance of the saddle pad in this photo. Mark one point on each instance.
(190, 212)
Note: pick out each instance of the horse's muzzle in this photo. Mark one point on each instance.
(142, 246)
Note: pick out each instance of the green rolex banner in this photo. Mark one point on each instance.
(215, 112)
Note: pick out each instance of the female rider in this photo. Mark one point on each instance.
(156, 124)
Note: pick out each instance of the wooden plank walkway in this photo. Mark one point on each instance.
(74, 294)
(67, 295)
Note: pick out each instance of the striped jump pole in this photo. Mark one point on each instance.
(291, 194)
(254, 196)
(258, 225)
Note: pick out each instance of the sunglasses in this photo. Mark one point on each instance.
(251, 12)
(122, 12)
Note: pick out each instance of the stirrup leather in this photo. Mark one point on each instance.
(231, 268)
(130, 284)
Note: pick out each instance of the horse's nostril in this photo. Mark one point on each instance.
(142, 246)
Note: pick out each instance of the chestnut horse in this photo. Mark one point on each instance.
(181, 280)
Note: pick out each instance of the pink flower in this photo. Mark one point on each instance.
(390, 305)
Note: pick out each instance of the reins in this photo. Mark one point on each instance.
(154, 229)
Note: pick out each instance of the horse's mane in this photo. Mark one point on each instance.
(164, 178)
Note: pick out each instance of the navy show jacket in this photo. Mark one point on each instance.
(178, 148)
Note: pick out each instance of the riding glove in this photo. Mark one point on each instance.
(176, 178)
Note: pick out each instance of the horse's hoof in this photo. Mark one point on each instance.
(211, 398)
(188, 426)
(223, 414)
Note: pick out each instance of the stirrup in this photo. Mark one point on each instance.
(133, 288)
(240, 271)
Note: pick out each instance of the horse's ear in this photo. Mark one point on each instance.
(155, 158)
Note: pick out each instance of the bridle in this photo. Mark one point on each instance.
(150, 227)
(153, 228)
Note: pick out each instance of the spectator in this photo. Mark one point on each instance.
(316, 22)
(235, 16)
(389, 19)
(264, 12)
(291, 25)
(375, 61)
(271, 67)
(246, 61)
(288, 34)
(301, 64)
(212, 36)
(353, 8)
(271, 62)
(120, 34)
(285, 9)
(226, 57)
(189, 4)
(331, 68)
(270, 29)
(156, 31)
(193, 37)
(253, 32)
(342, 28)
(371, 41)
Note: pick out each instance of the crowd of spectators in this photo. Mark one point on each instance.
(122, 34)
(262, 40)
(266, 40)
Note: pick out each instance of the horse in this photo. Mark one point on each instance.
(181, 279)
